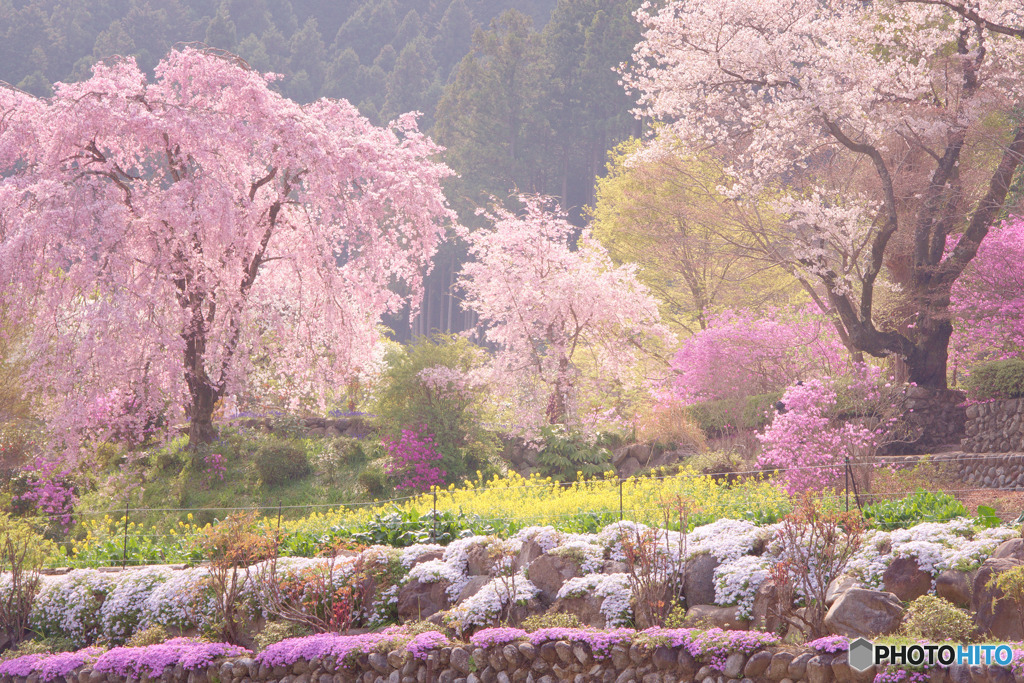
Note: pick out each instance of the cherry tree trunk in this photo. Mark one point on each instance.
(201, 429)
(927, 363)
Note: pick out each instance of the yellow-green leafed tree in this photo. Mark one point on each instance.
(696, 251)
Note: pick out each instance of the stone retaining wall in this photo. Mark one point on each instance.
(995, 427)
(997, 471)
(547, 663)
(939, 416)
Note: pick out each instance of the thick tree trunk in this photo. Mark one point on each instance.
(926, 365)
(201, 430)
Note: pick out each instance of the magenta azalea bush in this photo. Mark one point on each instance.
(988, 300)
(809, 443)
(743, 353)
(414, 457)
(49, 491)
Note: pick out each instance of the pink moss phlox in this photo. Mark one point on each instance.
(830, 644)
(1017, 665)
(600, 642)
(319, 646)
(715, 644)
(420, 645)
(20, 666)
(895, 675)
(62, 664)
(676, 637)
(488, 637)
(136, 662)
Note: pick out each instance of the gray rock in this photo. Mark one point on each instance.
(862, 612)
(734, 664)
(955, 586)
(699, 579)
(549, 573)
(905, 579)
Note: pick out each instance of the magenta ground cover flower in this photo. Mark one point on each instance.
(136, 662)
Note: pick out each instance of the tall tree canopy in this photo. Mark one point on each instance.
(160, 236)
(886, 128)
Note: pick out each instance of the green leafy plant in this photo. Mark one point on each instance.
(430, 383)
(920, 506)
(22, 552)
(996, 380)
(987, 517)
(937, 620)
(374, 481)
(154, 635)
(1010, 584)
(279, 460)
(725, 416)
(535, 622)
(567, 454)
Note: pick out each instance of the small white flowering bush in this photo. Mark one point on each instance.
(184, 601)
(737, 581)
(613, 589)
(589, 556)
(70, 606)
(491, 601)
(123, 608)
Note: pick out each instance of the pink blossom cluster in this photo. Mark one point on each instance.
(151, 660)
(899, 675)
(830, 644)
(50, 490)
(743, 353)
(214, 468)
(715, 645)
(988, 299)
(21, 666)
(548, 302)
(450, 382)
(420, 644)
(808, 442)
(413, 459)
(311, 648)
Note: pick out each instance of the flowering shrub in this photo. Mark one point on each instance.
(48, 489)
(123, 609)
(613, 589)
(150, 661)
(988, 299)
(491, 601)
(413, 465)
(71, 607)
(737, 581)
(62, 664)
(810, 443)
(319, 646)
(184, 601)
(746, 352)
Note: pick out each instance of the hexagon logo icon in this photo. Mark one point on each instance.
(862, 654)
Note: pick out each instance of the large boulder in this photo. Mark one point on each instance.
(712, 616)
(699, 579)
(587, 608)
(479, 561)
(549, 572)
(839, 585)
(905, 579)
(860, 612)
(472, 587)
(764, 612)
(417, 601)
(996, 615)
(1012, 549)
(955, 586)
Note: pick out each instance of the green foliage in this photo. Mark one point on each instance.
(22, 552)
(566, 455)
(535, 622)
(676, 617)
(937, 620)
(920, 506)
(279, 460)
(402, 528)
(374, 480)
(987, 517)
(454, 416)
(996, 380)
(276, 631)
(154, 635)
(724, 416)
(39, 646)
